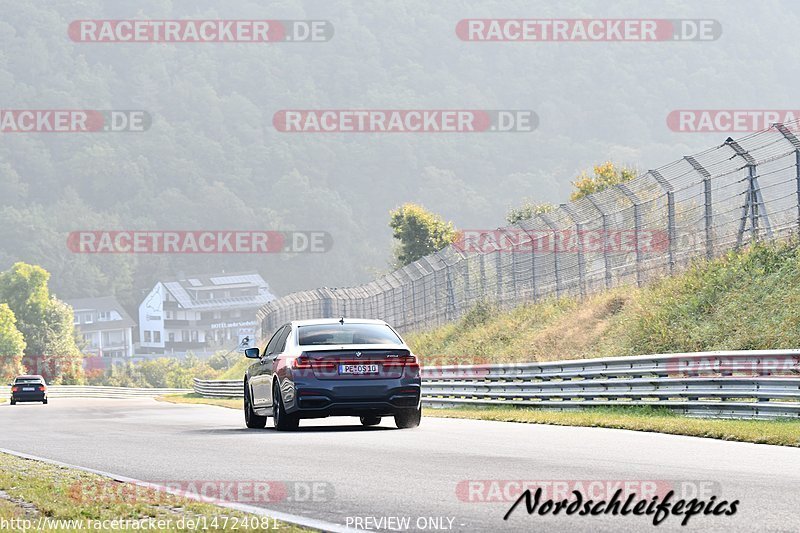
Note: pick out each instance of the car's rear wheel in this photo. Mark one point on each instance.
(44, 401)
(282, 420)
(370, 420)
(408, 418)
(13, 401)
(251, 419)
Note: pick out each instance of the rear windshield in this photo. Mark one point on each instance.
(336, 334)
(20, 381)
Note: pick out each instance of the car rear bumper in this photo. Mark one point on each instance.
(384, 399)
(29, 396)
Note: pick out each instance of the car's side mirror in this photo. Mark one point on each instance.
(252, 353)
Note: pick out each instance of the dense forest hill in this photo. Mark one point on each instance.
(212, 158)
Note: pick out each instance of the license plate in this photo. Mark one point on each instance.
(358, 369)
(28, 389)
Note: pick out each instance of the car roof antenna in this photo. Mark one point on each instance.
(341, 320)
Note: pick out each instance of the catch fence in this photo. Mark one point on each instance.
(697, 207)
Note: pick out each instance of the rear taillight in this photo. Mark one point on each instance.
(404, 360)
(305, 363)
(42, 388)
(301, 363)
(14, 389)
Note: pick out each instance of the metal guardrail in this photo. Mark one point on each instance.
(738, 384)
(81, 391)
(233, 388)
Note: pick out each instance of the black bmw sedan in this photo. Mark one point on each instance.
(329, 367)
(29, 389)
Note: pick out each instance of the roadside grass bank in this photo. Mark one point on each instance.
(194, 398)
(781, 432)
(237, 369)
(45, 493)
(740, 301)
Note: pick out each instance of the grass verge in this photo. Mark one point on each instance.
(193, 398)
(44, 493)
(659, 420)
(740, 301)
(653, 419)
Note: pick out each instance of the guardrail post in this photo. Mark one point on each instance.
(671, 226)
(708, 213)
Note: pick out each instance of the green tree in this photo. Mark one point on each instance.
(527, 210)
(419, 232)
(60, 354)
(12, 345)
(24, 288)
(45, 322)
(605, 175)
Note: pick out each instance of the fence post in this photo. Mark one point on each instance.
(451, 297)
(533, 264)
(556, 262)
(671, 237)
(606, 258)
(499, 272)
(754, 198)
(482, 269)
(637, 223)
(570, 211)
(708, 215)
(796, 143)
(513, 253)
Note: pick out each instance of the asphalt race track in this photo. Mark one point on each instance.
(384, 472)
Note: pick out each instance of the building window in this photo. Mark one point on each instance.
(157, 337)
(147, 337)
(171, 337)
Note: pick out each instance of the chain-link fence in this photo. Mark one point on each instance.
(698, 206)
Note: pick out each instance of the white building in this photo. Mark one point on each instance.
(105, 326)
(201, 313)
